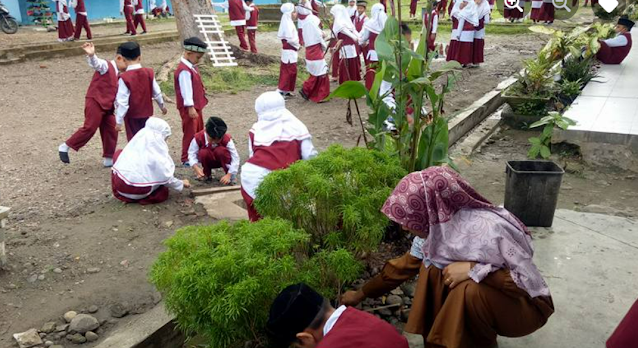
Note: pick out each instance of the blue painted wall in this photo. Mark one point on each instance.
(14, 8)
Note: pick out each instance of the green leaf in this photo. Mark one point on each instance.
(534, 151)
(545, 152)
(349, 90)
(534, 141)
(378, 78)
(542, 29)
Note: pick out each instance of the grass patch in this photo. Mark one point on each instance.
(512, 29)
(237, 79)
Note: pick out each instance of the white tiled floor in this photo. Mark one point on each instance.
(610, 105)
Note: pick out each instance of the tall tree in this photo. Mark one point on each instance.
(184, 14)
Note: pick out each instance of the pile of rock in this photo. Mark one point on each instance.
(395, 307)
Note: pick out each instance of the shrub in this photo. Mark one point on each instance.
(219, 280)
(578, 69)
(336, 196)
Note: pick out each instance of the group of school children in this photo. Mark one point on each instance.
(121, 95)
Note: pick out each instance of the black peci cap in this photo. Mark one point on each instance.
(216, 127)
(195, 44)
(292, 312)
(626, 22)
(129, 50)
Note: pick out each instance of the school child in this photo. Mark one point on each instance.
(547, 12)
(343, 27)
(317, 87)
(513, 14)
(304, 9)
(81, 20)
(237, 14)
(190, 92)
(462, 40)
(139, 15)
(136, 88)
(98, 107)
(276, 141)
(413, 6)
(441, 7)
(290, 45)
(371, 29)
(433, 19)
(65, 26)
(483, 11)
(214, 148)
(352, 9)
(159, 11)
(252, 18)
(144, 170)
(127, 8)
(614, 51)
(359, 20)
(535, 14)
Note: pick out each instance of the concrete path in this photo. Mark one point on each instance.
(590, 262)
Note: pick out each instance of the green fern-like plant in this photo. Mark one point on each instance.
(336, 196)
(220, 280)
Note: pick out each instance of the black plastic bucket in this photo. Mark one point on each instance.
(531, 191)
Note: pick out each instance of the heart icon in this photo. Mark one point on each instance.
(608, 5)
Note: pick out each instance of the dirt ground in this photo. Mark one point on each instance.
(89, 249)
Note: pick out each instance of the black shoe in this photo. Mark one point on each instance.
(64, 157)
(303, 95)
(144, 32)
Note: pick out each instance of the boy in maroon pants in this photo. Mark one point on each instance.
(98, 107)
(81, 20)
(139, 15)
(190, 92)
(127, 8)
(136, 89)
(251, 25)
(213, 148)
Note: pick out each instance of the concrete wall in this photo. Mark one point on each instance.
(14, 8)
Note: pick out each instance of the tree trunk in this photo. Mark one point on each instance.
(184, 14)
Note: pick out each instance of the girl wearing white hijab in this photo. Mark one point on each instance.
(65, 26)
(144, 170)
(276, 141)
(371, 29)
(352, 9)
(317, 87)
(304, 9)
(349, 65)
(290, 45)
(483, 10)
(462, 40)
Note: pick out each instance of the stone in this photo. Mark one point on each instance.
(91, 336)
(68, 316)
(157, 297)
(408, 289)
(600, 209)
(41, 277)
(405, 314)
(48, 327)
(57, 346)
(386, 312)
(93, 309)
(119, 310)
(57, 270)
(28, 338)
(62, 328)
(407, 300)
(168, 224)
(93, 270)
(32, 278)
(42, 335)
(48, 343)
(397, 291)
(76, 338)
(393, 300)
(83, 323)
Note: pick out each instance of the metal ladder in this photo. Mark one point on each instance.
(219, 50)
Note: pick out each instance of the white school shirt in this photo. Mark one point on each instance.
(225, 6)
(123, 93)
(364, 40)
(62, 16)
(122, 5)
(349, 51)
(435, 24)
(193, 150)
(186, 84)
(619, 41)
(332, 320)
(74, 4)
(140, 11)
(100, 65)
(252, 175)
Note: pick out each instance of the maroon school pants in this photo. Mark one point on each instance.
(253, 215)
(139, 19)
(214, 157)
(95, 117)
(287, 77)
(128, 14)
(190, 127)
(118, 185)
(241, 34)
(82, 22)
(133, 125)
(252, 33)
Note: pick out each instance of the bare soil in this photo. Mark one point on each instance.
(64, 216)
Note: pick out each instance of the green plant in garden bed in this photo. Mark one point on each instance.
(531, 108)
(421, 139)
(336, 196)
(578, 69)
(219, 280)
(541, 144)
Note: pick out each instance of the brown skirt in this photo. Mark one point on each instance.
(470, 315)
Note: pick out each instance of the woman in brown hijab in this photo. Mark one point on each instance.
(474, 261)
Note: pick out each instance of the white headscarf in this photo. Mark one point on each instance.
(377, 22)
(455, 7)
(275, 122)
(152, 4)
(352, 10)
(145, 160)
(341, 19)
(164, 5)
(304, 9)
(312, 33)
(483, 9)
(469, 13)
(287, 30)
